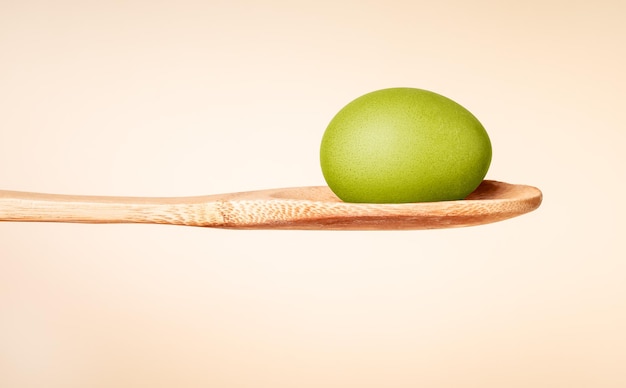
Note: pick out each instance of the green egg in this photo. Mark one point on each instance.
(403, 145)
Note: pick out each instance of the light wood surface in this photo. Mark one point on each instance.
(309, 208)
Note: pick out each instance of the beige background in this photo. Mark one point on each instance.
(162, 98)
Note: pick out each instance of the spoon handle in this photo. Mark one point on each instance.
(192, 211)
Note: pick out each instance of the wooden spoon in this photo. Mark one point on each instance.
(309, 208)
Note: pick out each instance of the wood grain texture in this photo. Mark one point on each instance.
(305, 208)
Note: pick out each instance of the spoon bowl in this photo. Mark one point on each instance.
(297, 208)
